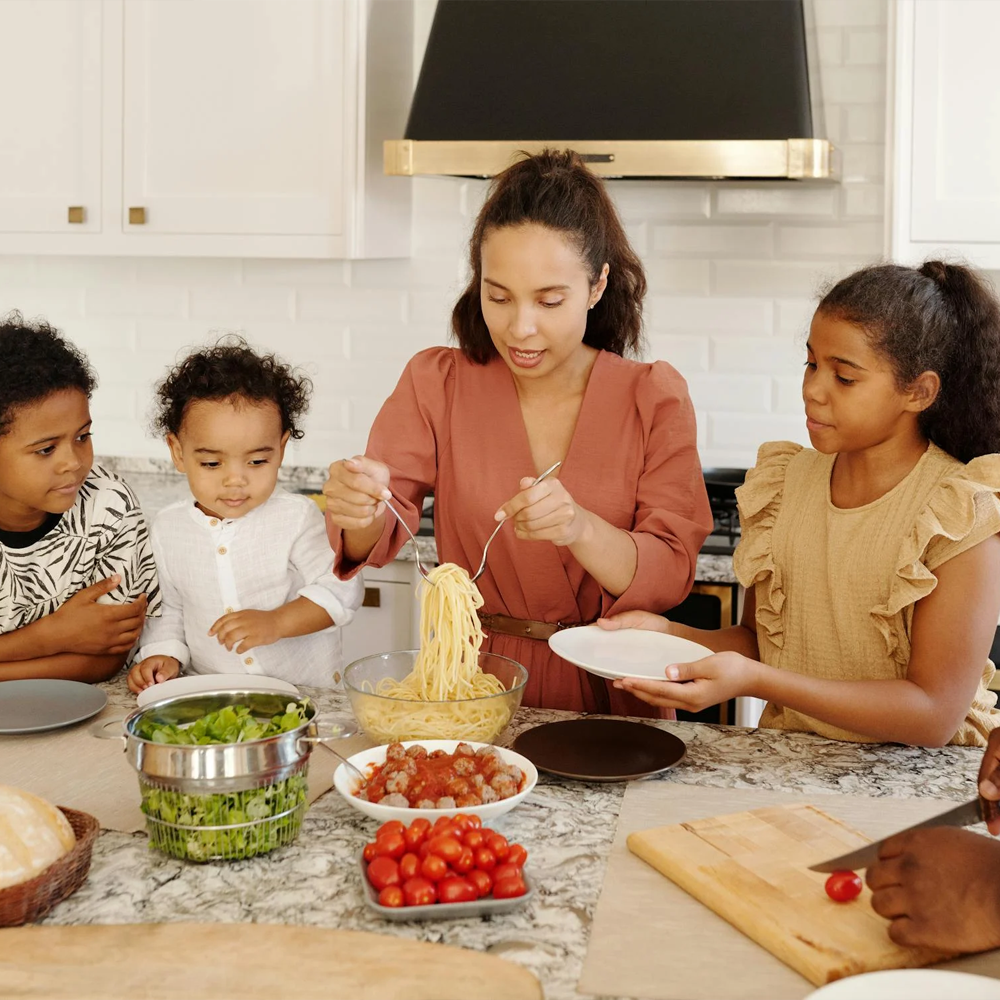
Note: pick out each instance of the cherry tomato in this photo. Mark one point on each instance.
(517, 855)
(474, 821)
(369, 852)
(390, 845)
(416, 833)
(486, 860)
(392, 826)
(409, 865)
(473, 838)
(456, 890)
(481, 880)
(497, 843)
(433, 868)
(419, 892)
(462, 822)
(391, 895)
(465, 862)
(383, 871)
(443, 827)
(507, 888)
(424, 849)
(506, 870)
(448, 848)
(843, 886)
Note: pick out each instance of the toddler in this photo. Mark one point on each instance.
(246, 570)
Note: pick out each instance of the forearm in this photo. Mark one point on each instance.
(916, 718)
(65, 666)
(301, 617)
(737, 638)
(357, 543)
(607, 553)
(31, 642)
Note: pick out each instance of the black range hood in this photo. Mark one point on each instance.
(641, 88)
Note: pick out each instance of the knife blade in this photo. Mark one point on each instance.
(976, 811)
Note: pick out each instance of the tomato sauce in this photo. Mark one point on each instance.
(414, 777)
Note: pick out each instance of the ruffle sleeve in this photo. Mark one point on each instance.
(759, 500)
(963, 511)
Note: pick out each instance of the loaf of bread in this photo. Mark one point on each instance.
(33, 834)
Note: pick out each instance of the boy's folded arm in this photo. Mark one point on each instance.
(302, 616)
(65, 666)
(31, 642)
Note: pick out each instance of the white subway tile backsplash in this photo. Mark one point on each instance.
(709, 315)
(787, 393)
(866, 47)
(678, 276)
(755, 240)
(764, 355)
(350, 305)
(793, 316)
(711, 391)
(233, 307)
(864, 162)
(854, 84)
(863, 201)
(687, 354)
(856, 238)
(793, 199)
(164, 302)
(748, 432)
(60, 306)
(767, 277)
(684, 200)
(849, 13)
(865, 123)
(294, 273)
(221, 272)
(830, 46)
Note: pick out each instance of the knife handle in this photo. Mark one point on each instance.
(988, 809)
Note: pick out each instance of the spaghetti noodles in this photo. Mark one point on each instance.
(446, 695)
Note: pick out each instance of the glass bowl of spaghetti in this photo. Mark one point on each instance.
(389, 712)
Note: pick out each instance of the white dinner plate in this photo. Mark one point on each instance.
(627, 652)
(202, 683)
(910, 984)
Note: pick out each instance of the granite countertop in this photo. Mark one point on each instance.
(157, 484)
(568, 828)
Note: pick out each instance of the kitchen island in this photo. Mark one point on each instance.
(567, 827)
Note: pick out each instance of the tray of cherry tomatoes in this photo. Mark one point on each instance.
(454, 867)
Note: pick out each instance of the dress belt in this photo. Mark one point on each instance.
(524, 628)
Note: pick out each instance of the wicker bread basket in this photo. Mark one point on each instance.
(30, 901)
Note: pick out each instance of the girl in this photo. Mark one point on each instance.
(540, 375)
(76, 571)
(245, 567)
(871, 564)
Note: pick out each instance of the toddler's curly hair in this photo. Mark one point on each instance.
(35, 362)
(231, 368)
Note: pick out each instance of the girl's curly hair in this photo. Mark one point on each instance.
(231, 368)
(35, 362)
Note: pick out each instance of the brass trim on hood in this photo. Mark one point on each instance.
(789, 159)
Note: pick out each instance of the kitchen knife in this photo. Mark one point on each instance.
(976, 811)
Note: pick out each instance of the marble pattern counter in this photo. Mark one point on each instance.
(567, 826)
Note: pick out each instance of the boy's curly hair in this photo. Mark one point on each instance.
(36, 361)
(231, 368)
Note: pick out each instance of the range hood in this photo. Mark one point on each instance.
(640, 88)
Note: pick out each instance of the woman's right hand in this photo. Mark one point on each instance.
(636, 619)
(354, 492)
(989, 776)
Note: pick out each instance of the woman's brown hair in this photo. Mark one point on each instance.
(555, 189)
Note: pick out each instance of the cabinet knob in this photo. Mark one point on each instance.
(76, 214)
(373, 598)
(137, 216)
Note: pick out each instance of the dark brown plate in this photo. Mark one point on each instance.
(600, 749)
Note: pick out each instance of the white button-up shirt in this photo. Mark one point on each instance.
(210, 566)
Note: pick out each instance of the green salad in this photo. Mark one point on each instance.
(232, 724)
(262, 818)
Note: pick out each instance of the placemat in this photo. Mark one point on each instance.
(72, 767)
(651, 939)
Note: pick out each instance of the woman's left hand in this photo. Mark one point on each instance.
(694, 686)
(545, 512)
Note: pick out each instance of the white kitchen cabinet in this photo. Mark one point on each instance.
(50, 116)
(390, 617)
(946, 136)
(212, 128)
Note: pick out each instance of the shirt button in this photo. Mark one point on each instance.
(249, 661)
(214, 521)
(222, 550)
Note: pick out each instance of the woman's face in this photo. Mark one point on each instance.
(535, 293)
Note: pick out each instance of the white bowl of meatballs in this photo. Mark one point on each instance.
(432, 778)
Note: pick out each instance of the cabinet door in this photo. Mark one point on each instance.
(384, 623)
(234, 116)
(50, 116)
(953, 157)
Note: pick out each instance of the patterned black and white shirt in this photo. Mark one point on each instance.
(103, 533)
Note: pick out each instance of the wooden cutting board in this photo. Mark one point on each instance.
(249, 961)
(751, 868)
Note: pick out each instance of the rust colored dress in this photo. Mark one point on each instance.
(455, 427)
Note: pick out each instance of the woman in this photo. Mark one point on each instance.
(540, 376)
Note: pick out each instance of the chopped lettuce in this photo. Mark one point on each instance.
(232, 724)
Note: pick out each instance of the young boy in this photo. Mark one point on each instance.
(245, 568)
(76, 570)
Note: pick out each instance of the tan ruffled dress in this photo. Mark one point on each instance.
(836, 587)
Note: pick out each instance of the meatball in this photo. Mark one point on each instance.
(398, 781)
(464, 750)
(417, 752)
(457, 787)
(397, 800)
(426, 804)
(445, 802)
(464, 801)
(488, 795)
(395, 751)
(464, 766)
